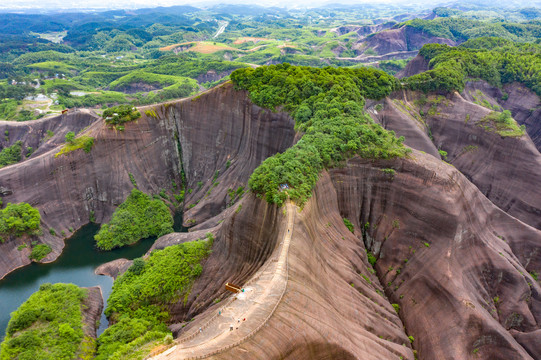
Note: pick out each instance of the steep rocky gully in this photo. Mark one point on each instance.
(455, 243)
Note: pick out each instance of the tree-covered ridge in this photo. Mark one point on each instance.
(140, 298)
(137, 218)
(143, 77)
(124, 57)
(327, 105)
(479, 11)
(48, 326)
(496, 61)
(121, 114)
(461, 29)
(189, 65)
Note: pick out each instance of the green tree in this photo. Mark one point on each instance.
(137, 218)
(46, 326)
(70, 137)
(19, 219)
(11, 154)
(327, 105)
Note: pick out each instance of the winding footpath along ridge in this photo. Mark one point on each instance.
(247, 311)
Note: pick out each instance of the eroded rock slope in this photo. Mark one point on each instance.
(455, 263)
(209, 131)
(452, 257)
(506, 169)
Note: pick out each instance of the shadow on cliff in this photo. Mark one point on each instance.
(456, 264)
(505, 169)
(220, 136)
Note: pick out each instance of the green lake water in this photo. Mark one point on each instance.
(76, 265)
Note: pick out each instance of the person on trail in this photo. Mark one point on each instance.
(200, 330)
(230, 327)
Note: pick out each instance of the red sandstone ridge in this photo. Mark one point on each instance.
(334, 307)
(34, 133)
(452, 277)
(213, 128)
(505, 169)
(417, 65)
(92, 309)
(326, 308)
(521, 101)
(218, 127)
(69, 188)
(363, 30)
(445, 254)
(404, 38)
(387, 42)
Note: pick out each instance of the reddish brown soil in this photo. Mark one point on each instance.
(405, 38)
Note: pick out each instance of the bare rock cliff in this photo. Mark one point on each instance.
(417, 65)
(70, 189)
(457, 266)
(92, 308)
(208, 131)
(47, 133)
(405, 38)
(455, 263)
(225, 149)
(505, 169)
(454, 246)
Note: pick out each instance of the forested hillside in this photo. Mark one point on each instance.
(51, 62)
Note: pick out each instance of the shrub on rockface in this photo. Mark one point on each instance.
(19, 219)
(137, 218)
(46, 326)
(73, 143)
(39, 252)
(11, 154)
(121, 114)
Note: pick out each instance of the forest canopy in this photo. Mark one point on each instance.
(494, 60)
(19, 219)
(327, 105)
(48, 325)
(138, 217)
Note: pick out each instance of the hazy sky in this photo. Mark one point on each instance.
(22, 5)
(129, 4)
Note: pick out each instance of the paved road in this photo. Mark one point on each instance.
(246, 312)
(223, 25)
